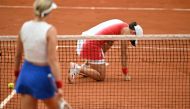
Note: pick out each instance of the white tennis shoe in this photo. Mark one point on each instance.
(73, 71)
(84, 66)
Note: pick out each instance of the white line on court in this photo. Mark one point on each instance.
(104, 8)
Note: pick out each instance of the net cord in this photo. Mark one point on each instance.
(112, 37)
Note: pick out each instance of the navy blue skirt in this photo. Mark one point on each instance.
(36, 81)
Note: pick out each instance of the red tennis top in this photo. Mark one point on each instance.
(92, 49)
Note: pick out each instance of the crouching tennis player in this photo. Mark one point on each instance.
(93, 51)
(39, 77)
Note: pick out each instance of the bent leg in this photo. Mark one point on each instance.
(95, 71)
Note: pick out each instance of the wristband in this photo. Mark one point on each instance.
(125, 70)
(16, 72)
(59, 84)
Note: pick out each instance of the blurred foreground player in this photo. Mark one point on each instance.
(93, 51)
(39, 78)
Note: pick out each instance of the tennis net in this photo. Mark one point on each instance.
(159, 67)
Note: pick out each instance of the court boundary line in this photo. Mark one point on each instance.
(103, 8)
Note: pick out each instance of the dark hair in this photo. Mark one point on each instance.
(132, 25)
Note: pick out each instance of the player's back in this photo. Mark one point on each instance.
(34, 38)
(110, 27)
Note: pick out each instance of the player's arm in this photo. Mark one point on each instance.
(124, 56)
(125, 31)
(18, 56)
(52, 55)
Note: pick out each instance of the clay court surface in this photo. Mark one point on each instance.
(159, 79)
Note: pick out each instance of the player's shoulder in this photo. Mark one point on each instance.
(27, 23)
(52, 31)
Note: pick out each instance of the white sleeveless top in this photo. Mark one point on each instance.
(34, 38)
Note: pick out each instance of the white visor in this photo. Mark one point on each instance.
(53, 6)
(138, 30)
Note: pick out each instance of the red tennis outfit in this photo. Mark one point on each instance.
(92, 49)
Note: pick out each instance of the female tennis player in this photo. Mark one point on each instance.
(93, 51)
(39, 78)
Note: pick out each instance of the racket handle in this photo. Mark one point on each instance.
(64, 105)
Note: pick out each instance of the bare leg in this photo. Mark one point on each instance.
(84, 65)
(28, 102)
(95, 71)
(52, 103)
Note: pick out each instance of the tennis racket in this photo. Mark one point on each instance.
(6, 100)
(62, 103)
